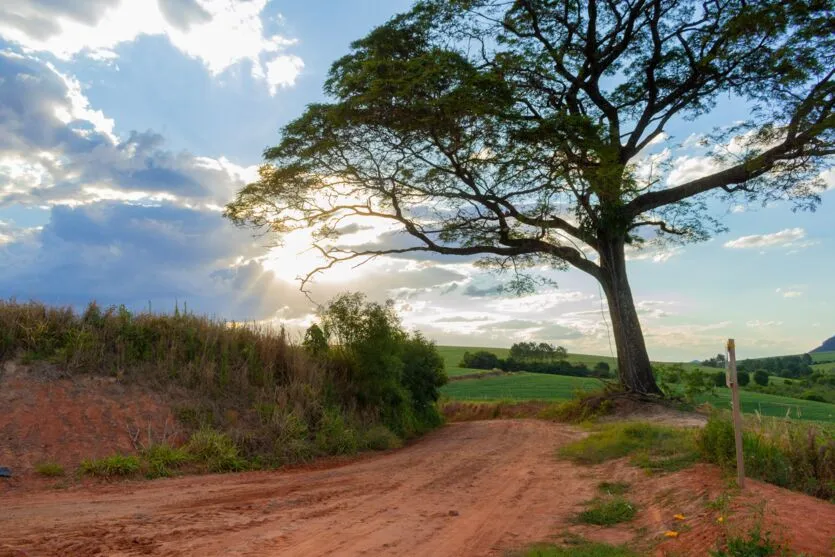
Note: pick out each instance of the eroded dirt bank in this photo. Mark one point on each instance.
(476, 488)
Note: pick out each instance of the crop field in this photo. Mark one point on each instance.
(823, 357)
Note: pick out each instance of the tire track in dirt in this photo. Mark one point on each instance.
(469, 489)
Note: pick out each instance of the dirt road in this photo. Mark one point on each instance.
(470, 489)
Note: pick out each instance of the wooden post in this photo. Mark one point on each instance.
(731, 379)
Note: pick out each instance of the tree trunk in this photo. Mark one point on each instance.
(634, 368)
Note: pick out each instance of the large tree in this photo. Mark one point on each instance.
(518, 131)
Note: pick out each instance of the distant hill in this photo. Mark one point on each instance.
(827, 346)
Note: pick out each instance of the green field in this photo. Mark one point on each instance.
(823, 357)
(536, 386)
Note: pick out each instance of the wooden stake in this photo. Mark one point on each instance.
(731, 379)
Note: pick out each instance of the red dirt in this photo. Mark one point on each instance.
(65, 420)
(475, 488)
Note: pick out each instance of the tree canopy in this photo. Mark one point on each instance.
(518, 132)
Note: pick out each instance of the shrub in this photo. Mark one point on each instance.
(114, 465)
(49, 469)
(613, 488)
(481, 359)
(380, 438)
(577, 549)
(334, 437)
(719, 379)
(215, 450)
(743, 378)
(761, 377)
(608, 512)
(754, 544)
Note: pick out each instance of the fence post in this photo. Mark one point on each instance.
(731, 380)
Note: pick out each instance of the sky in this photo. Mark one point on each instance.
(126, 125)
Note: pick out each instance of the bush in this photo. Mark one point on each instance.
(334, 437)
(380, 438)
(114, 465)
(761, 377)
(49, 469)
(754, 544)
(719, 379)
(215, 450)
(580, 548)
(743, 378)
(481, 359)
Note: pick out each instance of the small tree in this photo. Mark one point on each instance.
(719, 379)
(601, 369)
(743, 378)
(315, 340)
(516, 131)
(761, 377)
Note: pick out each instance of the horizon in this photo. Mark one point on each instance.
(130, 125)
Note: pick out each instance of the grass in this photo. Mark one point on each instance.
(216, 451)
(163, 460)
(536, 386)
(49, 469)
(823, 357)
(613, 488)
(652, 447)
(608, 511)
(576, 548)
(114, 465)
(519, 386)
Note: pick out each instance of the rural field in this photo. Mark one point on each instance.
(534, 386)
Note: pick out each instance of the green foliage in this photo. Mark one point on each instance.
(789, 454)
(720, 379)
(114, 465)
(577, 549)
(761, 377)
(315, 340)
(215, 450)
(481, 359)
(753, 544)
(609, 511)
(49, 469)
(782, 366)
(651, 447)
(537, 352)
(613, 488)
(675, 380)
(161, 460)
(380, 438)
(334, 436)
(743, 378)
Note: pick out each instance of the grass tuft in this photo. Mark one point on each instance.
(49, 469)
(577, 549)
(613, 488)
(605, 512)
(114, 465)
(162, 460)
(216, 451)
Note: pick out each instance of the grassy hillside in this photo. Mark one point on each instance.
(823, 357)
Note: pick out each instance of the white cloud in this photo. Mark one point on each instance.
(786, 237)
(689, 168)
(654, 254)
(757, 323)
(219, 33)
(790, 292)
(537, 303)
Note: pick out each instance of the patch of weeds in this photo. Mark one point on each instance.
(605, 512)
(380, 438)
(334, 436)
(49, 469)
(576, 547)
(613, 488)
(652, 447)
(216, 450)
(162, 460)
(753, 543)
(113, 465)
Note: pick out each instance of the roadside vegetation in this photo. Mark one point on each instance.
(247, 396)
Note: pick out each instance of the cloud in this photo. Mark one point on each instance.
(654, 253)
(783, 238)
(790, 292)
(687, 168)
(758, 324)
(219, 33)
